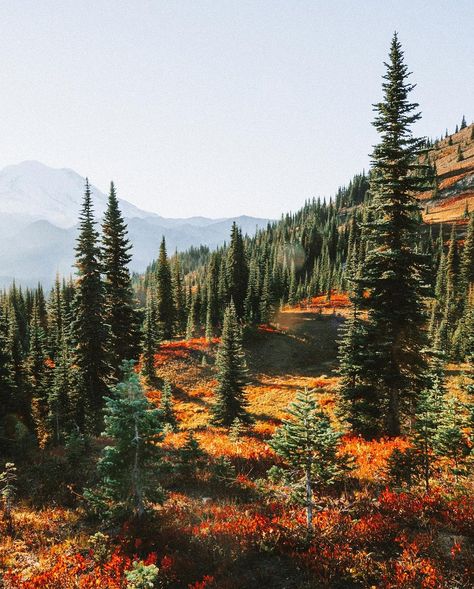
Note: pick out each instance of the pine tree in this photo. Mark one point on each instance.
(452, 441)
(266, 299)
(8, 480)
(467, 262)
(129, 464)
(463, 123)
(190, 456)
(393, 268)
(359, 405)
(119, 305)
(310, 445)
(55, 319)
(427, 417)
(61, 394)
(178, 295)
(37, 378)
(251, 305)
(166, 310)
(151, 335)
(7, 383)
(167, 414)
(88, 326)
(213, 306)
(232, 373)
(237, 271)
(192, 317)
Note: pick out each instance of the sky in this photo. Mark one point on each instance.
(220, 107)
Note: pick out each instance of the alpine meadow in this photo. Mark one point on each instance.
(289, 408)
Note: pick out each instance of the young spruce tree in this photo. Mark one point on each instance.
(230, 401)
(309, 444)
(129, 466)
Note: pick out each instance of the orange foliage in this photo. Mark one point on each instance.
(321, 303)
(371, 456)
(183, 348)
(216, 443)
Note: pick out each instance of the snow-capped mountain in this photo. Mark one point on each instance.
(39, 208)
(51, 194)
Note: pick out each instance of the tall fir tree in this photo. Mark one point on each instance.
(36, 371)
(237, 271)
(164, 286)
(119, 306)
(178, 295)
(393, 268)
(88, 327)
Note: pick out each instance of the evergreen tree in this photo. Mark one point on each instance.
(309, 444)
(7, 383)
(467, 262)
(8, 480)
(88, 326)
(166, 310)
(178, 295)
(167, 414)
(61, 394)
(359, 407)
(129, 465)
(119, 306)
(266, 301)
(232, 373)
(427, 417)
(213, 306)
(393, 268)
(237, 271)
(151, 335)
(55, 319)
(37, 380)
(190, 456)
(452, 441)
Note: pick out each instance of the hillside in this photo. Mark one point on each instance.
(239, 528)
(455, 179)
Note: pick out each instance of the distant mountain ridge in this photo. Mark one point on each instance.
(39, 208)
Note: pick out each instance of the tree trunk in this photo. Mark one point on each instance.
(309, 498)
(137, 489)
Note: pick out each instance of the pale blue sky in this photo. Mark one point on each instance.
(220, 107)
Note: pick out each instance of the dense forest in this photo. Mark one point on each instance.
(94, 435)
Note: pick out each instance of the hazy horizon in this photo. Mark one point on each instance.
(220, 109)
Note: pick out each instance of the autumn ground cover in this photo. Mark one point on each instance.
(226, 525)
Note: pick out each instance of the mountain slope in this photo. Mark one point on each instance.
(455, 179)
